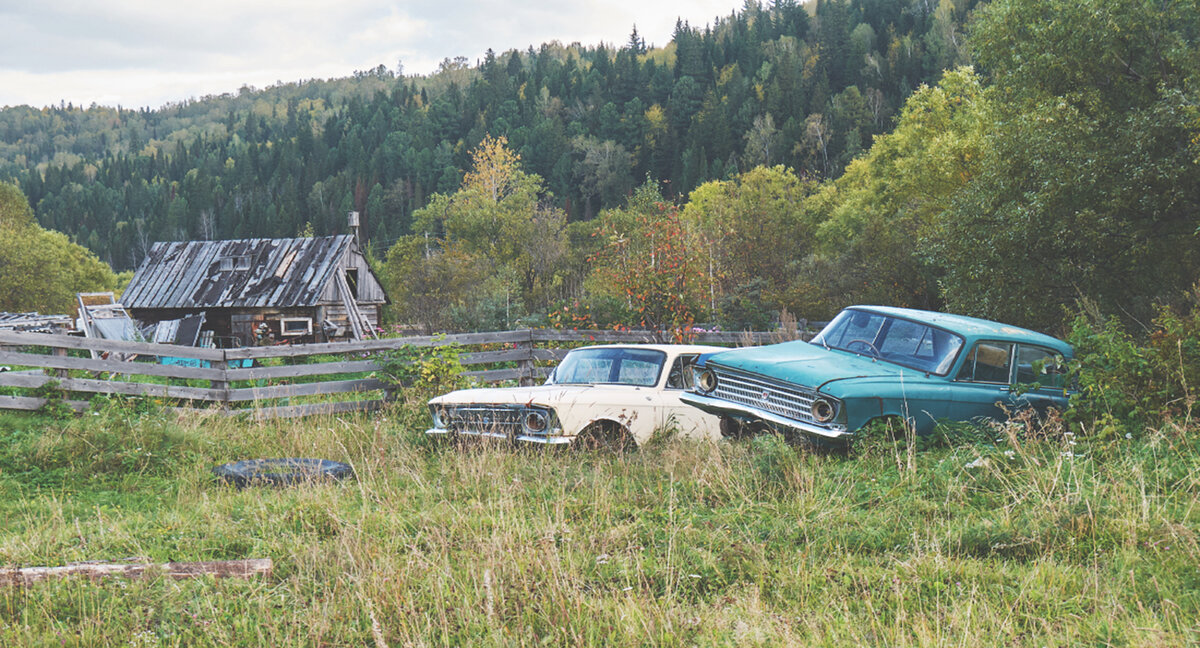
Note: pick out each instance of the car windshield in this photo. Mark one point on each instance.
(904, 342)
(610, 366)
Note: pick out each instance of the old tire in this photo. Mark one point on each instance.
(605, 436)
(281, 472)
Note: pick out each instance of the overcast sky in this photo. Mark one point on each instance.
(149, 52)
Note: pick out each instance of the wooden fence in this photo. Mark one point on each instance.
(265, 389)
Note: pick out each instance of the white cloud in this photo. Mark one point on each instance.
(149, 52)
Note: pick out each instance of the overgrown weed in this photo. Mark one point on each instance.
(680, 543)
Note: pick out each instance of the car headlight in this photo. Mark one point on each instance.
(706, 380)
(535, 421)
(823, 410)
(441, 418)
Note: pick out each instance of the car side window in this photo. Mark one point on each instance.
(1042, 366)
(988, 362)
(680, 376)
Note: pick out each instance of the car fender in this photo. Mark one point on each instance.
(920, 401)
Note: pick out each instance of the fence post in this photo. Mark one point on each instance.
(525, 366)
(60, 373)
(223, 383)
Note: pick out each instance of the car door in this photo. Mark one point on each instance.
(688, 421)
(983, 386)
(1041, 377)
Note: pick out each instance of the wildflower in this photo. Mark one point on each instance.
(1009, 453)
(602, 559)
(978, 463)
(1128, 435)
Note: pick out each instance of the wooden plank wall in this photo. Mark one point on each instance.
(268, 389)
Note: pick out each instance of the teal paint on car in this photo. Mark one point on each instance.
(874, 362)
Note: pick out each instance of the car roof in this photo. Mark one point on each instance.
(971, 327)
(665, 348)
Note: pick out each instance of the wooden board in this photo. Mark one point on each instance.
(30, 403)
(295, 371)
(491, 357)
(8, 379)
(377, 345)
(110, 366)
(305, 389)
(217, 569)
(97, 344)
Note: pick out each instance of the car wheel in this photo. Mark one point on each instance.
(605, 436)
(732, 428)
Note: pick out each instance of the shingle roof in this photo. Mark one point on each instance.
(282, 273)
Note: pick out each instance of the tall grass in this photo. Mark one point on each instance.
(1017, 540)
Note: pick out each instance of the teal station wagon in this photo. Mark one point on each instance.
(874, 362)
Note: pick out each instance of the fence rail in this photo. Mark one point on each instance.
(333, 369)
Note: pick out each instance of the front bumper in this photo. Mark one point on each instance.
(526, 438)
(721, 407)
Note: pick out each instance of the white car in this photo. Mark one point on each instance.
(612, 395)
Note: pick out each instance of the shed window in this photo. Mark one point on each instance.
(292, 326)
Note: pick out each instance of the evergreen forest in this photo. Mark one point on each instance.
(1002, 158)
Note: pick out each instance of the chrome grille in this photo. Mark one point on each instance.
(777, 397)
(487, 420)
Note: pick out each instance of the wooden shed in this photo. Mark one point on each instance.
(260, 291)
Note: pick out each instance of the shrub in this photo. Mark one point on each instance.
(423, 372)
(1126, 385)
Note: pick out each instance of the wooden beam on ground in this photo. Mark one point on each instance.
(244, 569)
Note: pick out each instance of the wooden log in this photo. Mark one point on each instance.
(244, 569)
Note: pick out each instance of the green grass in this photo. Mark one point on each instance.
(1042, 543)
